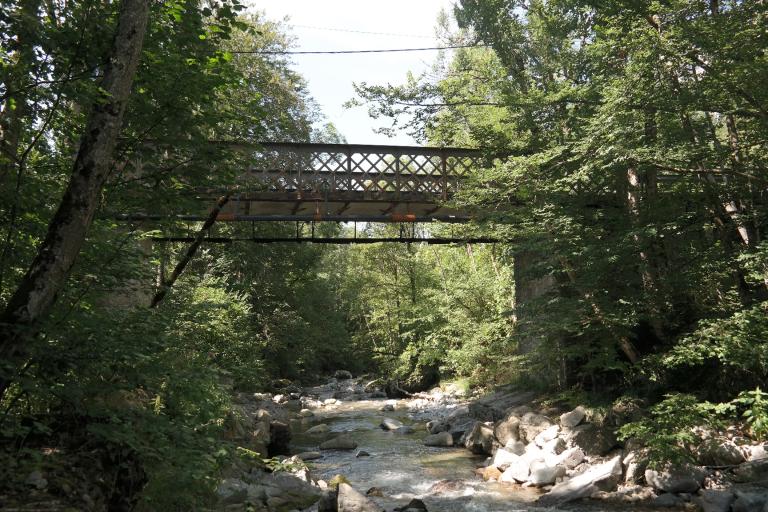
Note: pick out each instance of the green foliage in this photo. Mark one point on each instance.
(755, 405)
(667, 432)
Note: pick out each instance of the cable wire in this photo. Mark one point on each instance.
(346, 52)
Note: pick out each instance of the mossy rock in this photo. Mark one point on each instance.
(334, 482)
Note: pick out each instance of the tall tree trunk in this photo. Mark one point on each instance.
(67, 230)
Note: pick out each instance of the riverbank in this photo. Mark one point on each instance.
(502, 451)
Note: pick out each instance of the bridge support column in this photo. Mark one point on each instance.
(529, 288)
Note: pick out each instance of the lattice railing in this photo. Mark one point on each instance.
(316, 169)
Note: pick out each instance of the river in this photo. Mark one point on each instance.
(402, 468)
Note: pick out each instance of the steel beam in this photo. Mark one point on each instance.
(227, 217)
(335, 241)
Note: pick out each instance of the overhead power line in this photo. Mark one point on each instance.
(351, 31)
(346, 52)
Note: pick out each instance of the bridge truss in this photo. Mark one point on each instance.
(303, 182)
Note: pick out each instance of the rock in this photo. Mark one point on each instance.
(415, 505)
(444, 486)
(491, 473)
(543, 473)
(547, 435)
(751, 471)
(342, 375)
(555, 446)
(480, 439)
(362, 453)
(573, 418)
(330, 401)
(342, 442)
(375, 491)
(320, 428)
(494, 407)
(584, 484)
(507, 430)
(720, 453)
(232, 490)
(504, 457)
(667, 500)
(441, 439)
(279, 439)
(350, 500)
(516, 471)
(279, 399)
(593, 440)
(387, 408)
(328, 500)
(516, 447)
(306, 413)
(674, 479)
(635, 466)
(569, 458)
(390, 424)
(309, 455)
(286, 492)
(749, 501)
(757, 452)
(532, 424)
(714, 500)
(404, 430)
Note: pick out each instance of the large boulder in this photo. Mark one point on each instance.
(756, 452)
(584, 484)
(504, 457)
(546, 435)
(532, 424)
(518, 470)
(749, 501)
(507, 429)
(275, 491)
(569, 458)
(678, 478)
(494, 407)
(543, 473)
(751, 471)
(714, 500)
(720, 453)
(573, 418)
(342, 442)
(480, 439)
(593, 440)
(440, 439)
(349, 500)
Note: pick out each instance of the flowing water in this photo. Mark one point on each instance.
(402, 468)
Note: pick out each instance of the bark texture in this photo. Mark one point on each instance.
(67, 230)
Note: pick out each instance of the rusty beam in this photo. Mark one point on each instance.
(336, 241)
(230, 217)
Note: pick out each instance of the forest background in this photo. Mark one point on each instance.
(632, 202)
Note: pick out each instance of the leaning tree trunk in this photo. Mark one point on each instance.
(67, 230)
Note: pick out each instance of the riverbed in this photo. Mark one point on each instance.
(399, 467)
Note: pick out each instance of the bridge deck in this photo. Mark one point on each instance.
(340, 182)
(349, 181)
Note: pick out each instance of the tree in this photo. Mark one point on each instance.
(69, 226)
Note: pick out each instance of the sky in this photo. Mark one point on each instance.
(330, 77)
